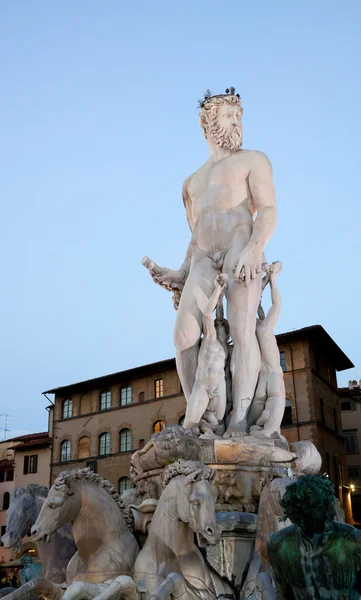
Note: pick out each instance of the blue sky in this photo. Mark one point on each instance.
(99, 130)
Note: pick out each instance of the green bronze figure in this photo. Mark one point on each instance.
(316, 558)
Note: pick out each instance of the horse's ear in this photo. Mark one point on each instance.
(18, 491)
(37, 490)
(193, 477)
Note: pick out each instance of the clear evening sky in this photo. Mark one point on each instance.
(99, 130)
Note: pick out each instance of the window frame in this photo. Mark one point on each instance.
(283, 361)
(156, 423)
(159, 388)
(6, 501)
(125, 434)
(65, 455)
(30, 465)
(104, 436)
(108, 399)
(287, 412)
(128, 396)
(67, 408)
(351, 434)
(122, 479)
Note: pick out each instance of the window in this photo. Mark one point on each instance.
(351, 443)
(67, 408)
(141, 396)
(105, 400)
(3, 531)
(181, 420)
(9, 475)
(104, 444)
(287, 415)
(347, 405)
(158, 426)
(84, 447)
(30, 464)
(6, 501)
(283, 361)
(158, 388)
(2, 476)
(322, 411)
(141, 443)
(125, 440)
(125, 395)
(124, 484)
(65, 448)
(354, 472)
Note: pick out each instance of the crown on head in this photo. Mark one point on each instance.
(207, 96)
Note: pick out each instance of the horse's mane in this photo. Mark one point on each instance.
(187, 467)
(64, 479)
(33, 489)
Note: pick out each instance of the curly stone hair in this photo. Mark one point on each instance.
(209, 112)
(187, 467)
(316, 488)
(65, 478)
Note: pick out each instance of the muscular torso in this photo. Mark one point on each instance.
(220, 200)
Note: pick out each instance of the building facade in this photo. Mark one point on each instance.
(350, 398)
(23, 460)
(7, 466)
(102, 421)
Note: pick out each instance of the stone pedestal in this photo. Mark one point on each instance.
(231, 557)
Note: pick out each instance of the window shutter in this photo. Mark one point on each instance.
(26, 465)
(35, 463)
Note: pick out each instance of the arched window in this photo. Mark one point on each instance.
(322, 411)
(104, 444)
(181, 420)
(125, 440)
(6, 501)
(125, 395)
(124, 484)
(105, 399)
(67, 408)
(141, 396)
(158, 426)
(84, 447)
(65, 450)
(287, 415)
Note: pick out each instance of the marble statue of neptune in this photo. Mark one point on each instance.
(231, 211)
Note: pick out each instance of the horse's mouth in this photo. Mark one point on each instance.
(206, 541)
(42, 537)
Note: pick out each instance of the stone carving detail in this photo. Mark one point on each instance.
(221, 199)
(268, 404)
(206, 405)
(106, 547)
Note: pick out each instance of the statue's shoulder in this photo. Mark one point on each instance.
(343, 530)
(282, 538)
(255, 158)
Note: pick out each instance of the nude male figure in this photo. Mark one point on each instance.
(208, 398)
(221, 199)
(268, 405)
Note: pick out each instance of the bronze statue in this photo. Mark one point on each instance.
(316, 557)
